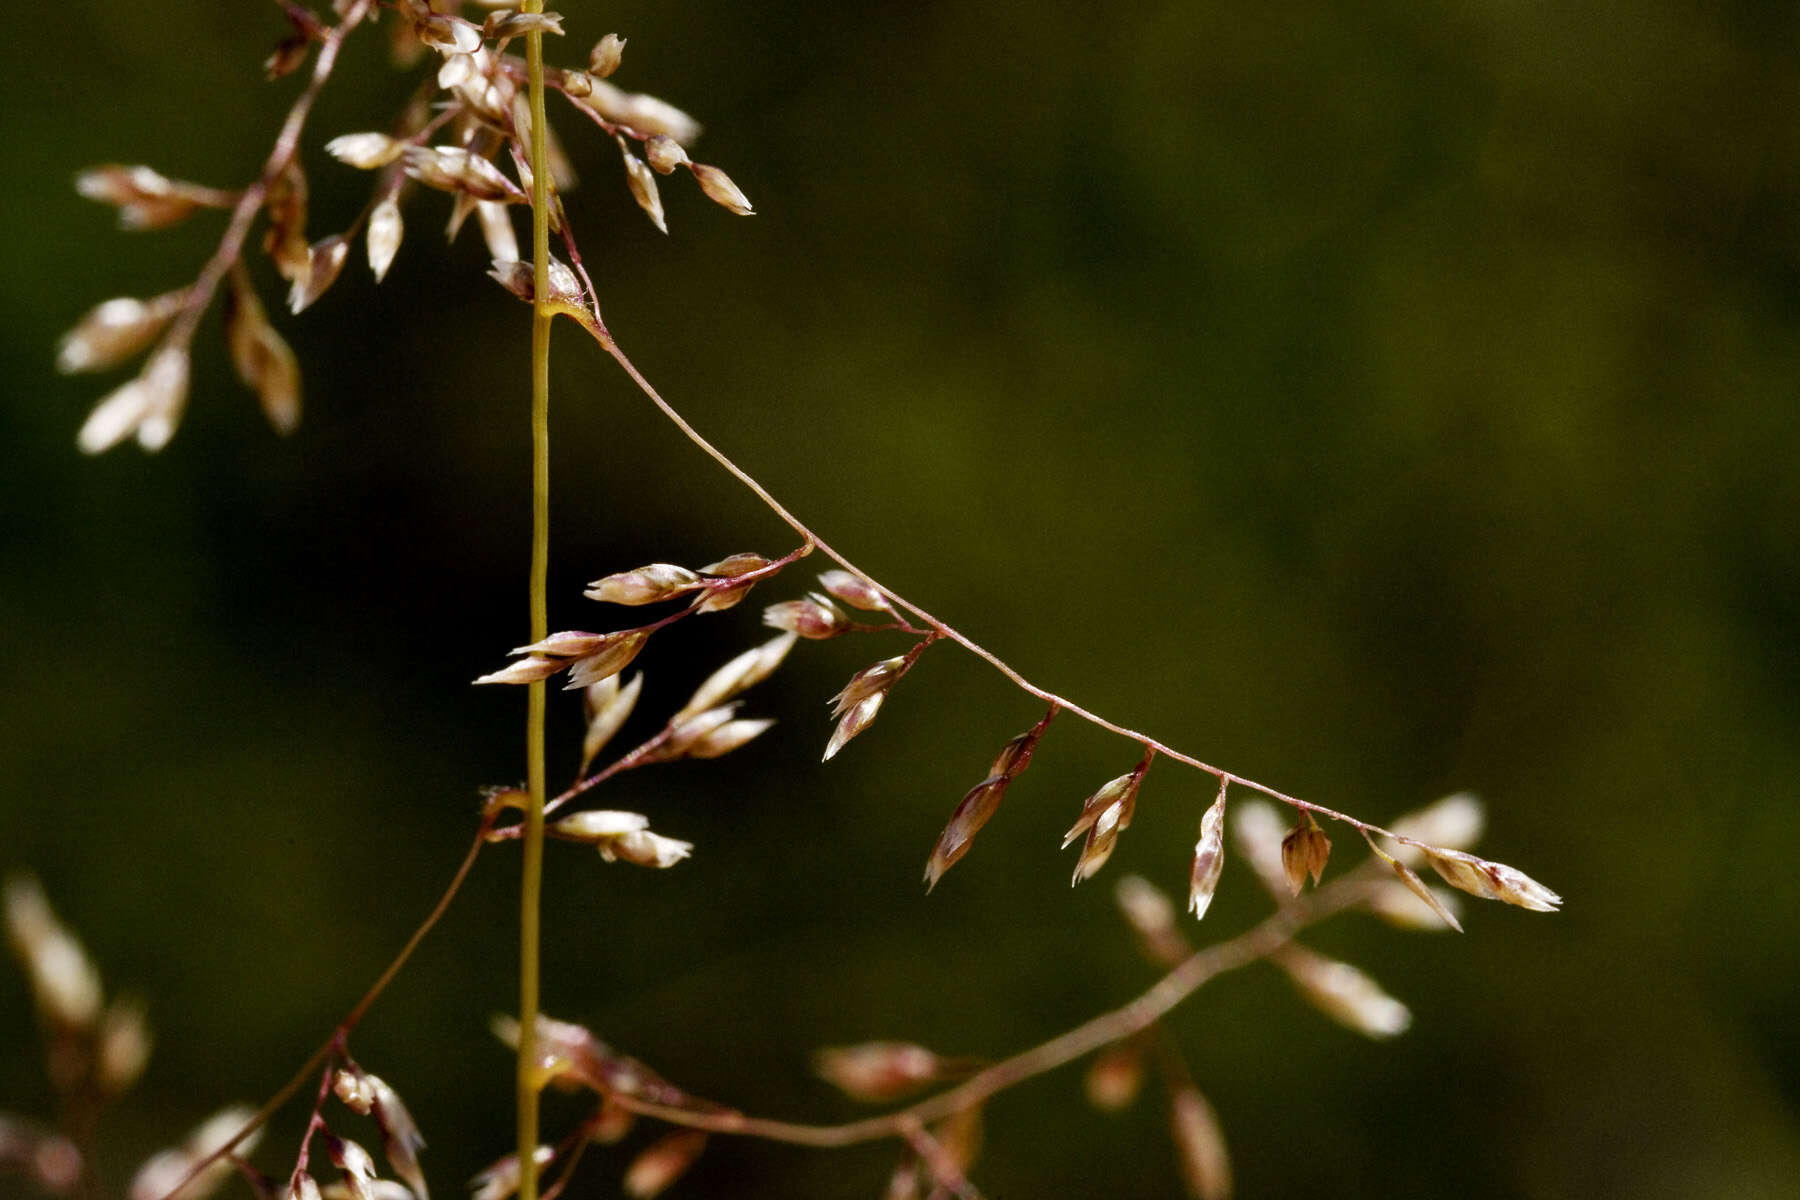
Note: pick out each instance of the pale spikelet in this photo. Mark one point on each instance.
(589, 657)
(502, 1179)
(1152, 917)
(1258, 830)
(123, 1047)
(1304, 851)
(497, 230)
(1400, 906)
(646, 114)
(1104, 815)
(325, 259)
(503, 25)
(1199, 1145)
(117, 330)
(645, 585)
(1344, 994)
(642, 182)
(861, 699)
(146, 199)
(604, 58)
(1116, 1075)
(518, 278)
(302, 1187)
(525, 670)
(1102, 836)
(741, 673)
(620, 836)
(577, 84)
(354, 1090)
(454, 169)
(64, 984)
(729, 736)
(1455, 822)
(159, 1174)
(357, 1165)
(148, 407)
(861, 715)
(878, 1072)
(366, 151)
(855, 591)
(400, 1137)
(1209, 858)
(663, 1162)
(606, 705)
(447, 35)
(720, 190)
(1414, 884)
(815, 617)
(44, 1157)
(597, 825)
(664, 154)
(261, 356)
(719, 598)
(383, 238)
(1492, 880)
(685, 730)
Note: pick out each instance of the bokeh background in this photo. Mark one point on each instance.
(1379, 399)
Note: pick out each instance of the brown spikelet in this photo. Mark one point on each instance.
(1304, 852)
(663, 1162)
(260, 355)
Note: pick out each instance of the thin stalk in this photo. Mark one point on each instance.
(531, 885)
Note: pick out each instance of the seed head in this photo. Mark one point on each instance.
(642, 182)
(606, 705)
(664, 153)
(146, 199)
(446, 35)
(646, 585)
(1200, 1144)
(603, 60)
(741, 673)
(116, 330)
(454, 169)
(663, 1162)
(261, 356)
(385, 231)
(366, 151)
(720, 190)
(64, 983)
(1151, 914)
(1492, 880)
(972, 812)
(1344, 994)
(1116, 1075)
(162, 1172)
(1209, 858)
(1304, 852)
(815, 617)
(324, 259)
(855, 591)
(506, 24)
(877, 1072)
(149, 406)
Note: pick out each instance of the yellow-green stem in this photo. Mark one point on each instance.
(531, 886)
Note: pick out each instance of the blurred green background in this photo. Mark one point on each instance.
(1378, 399)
